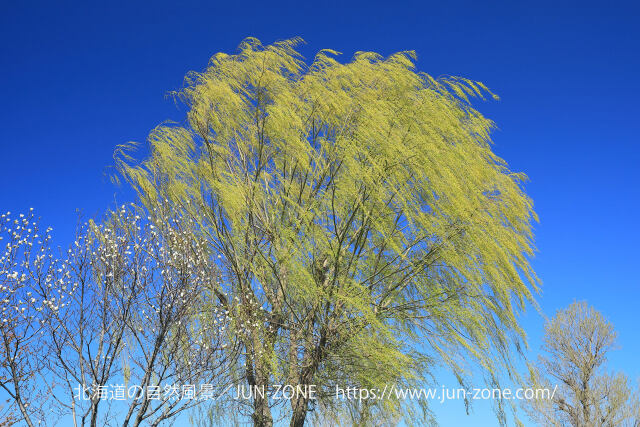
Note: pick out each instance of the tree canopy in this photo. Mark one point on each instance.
(576, 344)
(367, 231)
(101, 333)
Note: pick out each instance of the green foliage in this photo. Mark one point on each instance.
(359, 204)
(576, 344)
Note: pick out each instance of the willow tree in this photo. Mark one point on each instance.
(367, 232)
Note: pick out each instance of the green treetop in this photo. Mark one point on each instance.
(367, 231)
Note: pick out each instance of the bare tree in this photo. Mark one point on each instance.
(128, 307)
(576, 343)
(27, 301)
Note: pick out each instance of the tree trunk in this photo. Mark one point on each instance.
(23, 409)
(259, 385)
(261, 411)
(299, 412)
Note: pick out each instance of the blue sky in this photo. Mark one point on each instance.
(77, 79)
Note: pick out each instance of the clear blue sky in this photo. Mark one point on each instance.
(78, 79)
